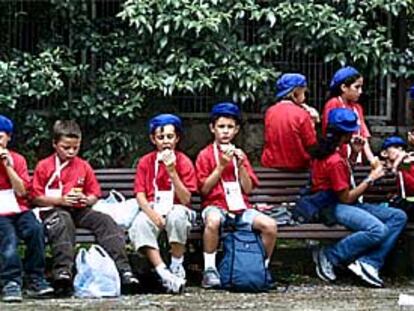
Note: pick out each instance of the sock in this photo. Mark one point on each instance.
(267, 262)
(176, 261)
(209, 260)
(162, 271)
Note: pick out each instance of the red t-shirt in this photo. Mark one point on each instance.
(20, 166)
(337, 102)
(77, 170)
(408, 176)
(205, 164)
(331, 173)
(144, 176)
(288, 132)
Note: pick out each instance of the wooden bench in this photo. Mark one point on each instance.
(276, 187)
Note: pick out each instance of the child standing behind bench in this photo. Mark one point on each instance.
(68, 184)
(18, 222)
(225, 178)
(289, 131)
(345, 91)
(164, 181)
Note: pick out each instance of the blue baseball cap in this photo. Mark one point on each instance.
(412, 92)
(343, 119)
(6, 125)
(163, 120)
(225, 109)
(341, 75)
(287, 82)
(395, 141)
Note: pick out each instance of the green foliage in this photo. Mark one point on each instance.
(107, 72)
(30, 76)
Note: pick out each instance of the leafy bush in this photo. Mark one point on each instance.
(107, 71)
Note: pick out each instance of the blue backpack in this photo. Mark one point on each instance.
(243, 268)
(315, 207)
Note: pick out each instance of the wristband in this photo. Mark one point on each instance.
(369, 181)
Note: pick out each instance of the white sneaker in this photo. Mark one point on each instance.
(372, 273)
(172, 283)
(324, 268)
(178, 271)
(366, 272)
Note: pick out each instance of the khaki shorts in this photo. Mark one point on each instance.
(144, 233)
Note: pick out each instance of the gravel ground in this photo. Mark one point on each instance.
(303, 297)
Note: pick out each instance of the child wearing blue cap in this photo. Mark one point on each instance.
(18, 222)
(225, 178)
(394, 152)
(375, 227)
(345, 90)
(289, 130)
(67, 185)
(164, 181)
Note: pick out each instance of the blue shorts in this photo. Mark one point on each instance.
(244, 221)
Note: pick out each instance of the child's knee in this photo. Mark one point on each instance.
(178, 217)
(35, 229)
(271, 227)
(400, 217)
(267, 225)
(58, 223)
(213, 221)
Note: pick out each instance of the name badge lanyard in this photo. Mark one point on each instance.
(56, 174)
(163, 200)
(232, 190)
(8, 199)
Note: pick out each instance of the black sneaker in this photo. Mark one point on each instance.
(39, 288)
(129, 283)
(63, 284)
(12, 292)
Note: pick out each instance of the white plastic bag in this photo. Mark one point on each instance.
(121, 210)
(96, 275)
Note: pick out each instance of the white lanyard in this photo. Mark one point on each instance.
(232, 189)
(56, 174)
(8, 202)
(163, 200)
(402, 185)
(8, 198)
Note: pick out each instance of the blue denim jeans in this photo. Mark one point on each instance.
(26, 227)
(375, 227)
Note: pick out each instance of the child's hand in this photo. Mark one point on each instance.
(82, 200)
(410, 138)
(157, 219)
(357, 144)
(240, 156)
(5, 157)
(313, 113)
(70, 199)
(168, 157)
(226, 157)
(377, 173)
(402, 155)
